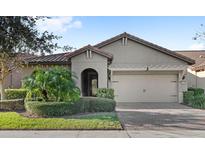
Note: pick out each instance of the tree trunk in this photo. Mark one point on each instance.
(2, 90)
(2, 81)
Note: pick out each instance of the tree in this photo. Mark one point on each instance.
(19, 35)
(200, 35)
(54, 84)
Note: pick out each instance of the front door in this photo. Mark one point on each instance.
(89, 82)
(92, 84)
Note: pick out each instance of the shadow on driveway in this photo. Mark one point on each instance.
(154, 116)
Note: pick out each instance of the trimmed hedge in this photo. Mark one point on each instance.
(105, 93)
(12, 105)
(95, 104)
(15, 93)
(83, 105)
(199, 102)
(47, 108)
(194, 100)
(188, 97)
(197, 91)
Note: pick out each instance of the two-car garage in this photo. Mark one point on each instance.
(145, 87)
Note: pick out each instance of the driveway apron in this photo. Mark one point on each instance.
(156, 116)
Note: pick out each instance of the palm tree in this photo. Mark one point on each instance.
(54, 84)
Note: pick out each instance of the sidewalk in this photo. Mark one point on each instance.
(103, 134)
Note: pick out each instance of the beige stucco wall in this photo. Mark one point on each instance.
(135, 53)
(182, 85)
(139, 54)
(196, 79)
(14, 79)
(191, 78)
(99, 63)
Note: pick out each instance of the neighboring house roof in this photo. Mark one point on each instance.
(50, 59)
(20, 57)
(197, 55)
(91, 48)
(145, 43)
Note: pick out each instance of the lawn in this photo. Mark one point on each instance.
(13, 120)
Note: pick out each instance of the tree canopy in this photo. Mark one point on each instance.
(200, 35)
(20, 34)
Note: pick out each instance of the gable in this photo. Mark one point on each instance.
(82, 58)
(138, 53)
(89, 50)
(125, 36)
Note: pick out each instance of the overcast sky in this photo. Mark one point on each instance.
(174, 33)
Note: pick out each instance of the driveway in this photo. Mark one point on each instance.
(160, 116)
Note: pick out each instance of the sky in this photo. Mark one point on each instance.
(174, 33)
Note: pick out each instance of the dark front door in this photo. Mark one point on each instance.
(89, 82)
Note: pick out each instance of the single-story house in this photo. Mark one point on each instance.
(196, 72)
(137, 70)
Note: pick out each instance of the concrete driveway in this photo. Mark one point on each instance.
(160, 116)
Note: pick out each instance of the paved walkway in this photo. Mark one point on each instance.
(104, 134)
(160, 116)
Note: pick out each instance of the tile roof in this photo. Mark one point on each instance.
(50, 59)
(64, 58)
(197, 55)
(26, 55)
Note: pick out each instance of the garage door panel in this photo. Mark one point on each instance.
(145, 88)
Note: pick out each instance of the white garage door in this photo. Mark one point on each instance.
(145, 88)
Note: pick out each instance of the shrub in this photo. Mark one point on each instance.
(105, 93)
(199, 102)
(197, 91)
(12, 105)
(47, 108)
(95, 104)
(188, 97)
(15, 93)
(56, 84)
(83, 105)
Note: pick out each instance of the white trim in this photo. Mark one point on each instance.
(125, 40)
(145, 69)
(111, 78)
(165, 69)
(87, 54)
(127, 69)
(90, 54)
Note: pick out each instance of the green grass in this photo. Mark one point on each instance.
(13, 120)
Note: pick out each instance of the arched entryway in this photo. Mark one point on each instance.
(89, 82)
